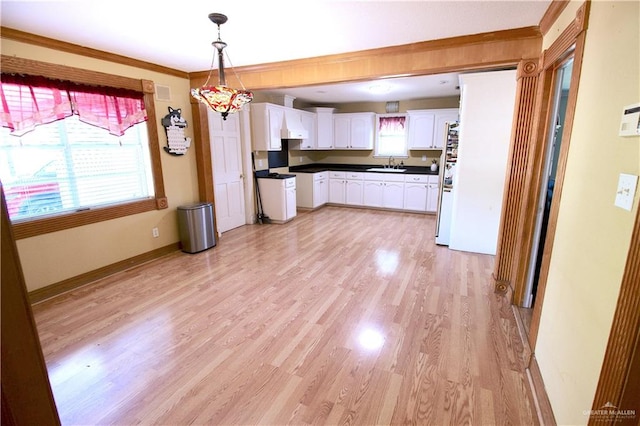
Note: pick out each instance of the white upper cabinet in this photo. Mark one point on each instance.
(324, 128)
(427, 127)
(266, 126)
(354, 130)
(309, 123)
(442, 118)
(421, 125)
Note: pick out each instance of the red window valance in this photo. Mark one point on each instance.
(28, 101)
(391, 125)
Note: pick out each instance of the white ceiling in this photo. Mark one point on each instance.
(178, 34)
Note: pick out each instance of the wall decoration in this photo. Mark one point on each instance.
(174, 126)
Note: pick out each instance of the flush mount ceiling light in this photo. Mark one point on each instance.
(221, 98)
(379, 88)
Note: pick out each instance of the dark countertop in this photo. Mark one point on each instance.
(323, 167)
(264, 174)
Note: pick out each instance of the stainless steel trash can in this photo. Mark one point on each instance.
(195, 223)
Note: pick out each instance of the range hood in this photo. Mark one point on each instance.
(292, 126)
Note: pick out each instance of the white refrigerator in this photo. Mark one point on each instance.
(447, 184)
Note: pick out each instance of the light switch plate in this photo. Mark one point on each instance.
(626, 191)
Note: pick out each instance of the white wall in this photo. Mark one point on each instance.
(486, 118)
(592, 236)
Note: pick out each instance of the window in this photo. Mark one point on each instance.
(391, 135)
(78, 173)
(68, 166)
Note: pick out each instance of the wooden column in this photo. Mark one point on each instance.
(521, 140)
(26, 393)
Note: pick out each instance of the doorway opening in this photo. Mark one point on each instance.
(562, 79)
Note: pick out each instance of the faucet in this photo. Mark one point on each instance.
(391, 161)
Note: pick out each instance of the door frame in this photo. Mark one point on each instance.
(204, 168)
(570, 43)
(536, 78)
(551, 147)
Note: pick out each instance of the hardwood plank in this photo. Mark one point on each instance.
(266, 328)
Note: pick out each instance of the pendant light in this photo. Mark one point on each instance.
(221, 98)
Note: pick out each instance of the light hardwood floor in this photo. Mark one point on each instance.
(271, 327)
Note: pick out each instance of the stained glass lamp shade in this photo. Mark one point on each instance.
(221, 98)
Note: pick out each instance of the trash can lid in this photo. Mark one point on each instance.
(194, 206)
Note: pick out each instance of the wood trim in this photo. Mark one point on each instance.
(557, 192)
(619, 379)
(530, 190)
(27, 398)
(50, 43)
(204, 164)
(524, 116)
(11, 64)
(541, 400)
(552, 14)
(526, 156)
(202, 145)
(154, 150)
(479, 51)
(45, 225)
(91, 276)
(568, 37)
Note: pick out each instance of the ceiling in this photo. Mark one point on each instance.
(179, 34)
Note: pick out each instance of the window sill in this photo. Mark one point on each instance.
(46, 225)
(394, 156)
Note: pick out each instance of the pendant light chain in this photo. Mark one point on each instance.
(234, 70)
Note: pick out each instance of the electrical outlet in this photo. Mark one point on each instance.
(259, 163)
(301, 159)
(155, 232)
(424, 158)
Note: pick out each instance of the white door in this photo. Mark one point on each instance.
(228, 177)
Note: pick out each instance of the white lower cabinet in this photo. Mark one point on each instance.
(417, 193)
(393, 197)
(415, 196)
(373, 192)
(278, 198)
(421, 193)
(384, 190)
(320, 189)
(354, 188)
(433, 193)
(312, 189)
(337, 187)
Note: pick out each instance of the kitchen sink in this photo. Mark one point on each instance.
(385, 169)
